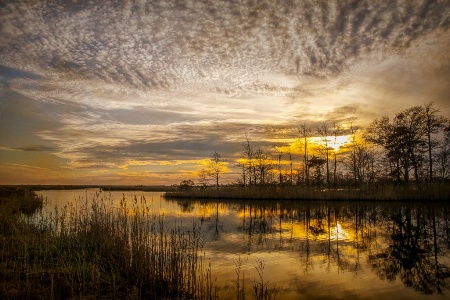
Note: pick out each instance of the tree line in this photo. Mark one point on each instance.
(413, 146)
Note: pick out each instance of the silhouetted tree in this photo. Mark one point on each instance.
(186, 185)
(336, 132)
(291, 175)
(403, 139)
(279, 155)
(433, 124)
(247, 164)
(443, 156)
(316, 164)
(263, 166)
(204, 177)
(324, 131)
(305, 134)
(217, 165)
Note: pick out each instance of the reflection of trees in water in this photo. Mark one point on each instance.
(403, 242)
(406, 242)
(186, 206)
(214, 225)
(258, 224)
(414, 252)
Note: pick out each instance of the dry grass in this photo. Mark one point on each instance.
(93, 250)
(379, 192)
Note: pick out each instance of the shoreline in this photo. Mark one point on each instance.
(150, 188)
(430, 192)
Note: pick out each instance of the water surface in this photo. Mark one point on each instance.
(310, 250)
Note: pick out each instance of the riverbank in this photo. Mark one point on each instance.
(425, 192)
(94, 251)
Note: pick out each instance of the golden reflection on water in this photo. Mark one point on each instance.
(321, 250)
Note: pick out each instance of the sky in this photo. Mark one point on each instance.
(141, 92)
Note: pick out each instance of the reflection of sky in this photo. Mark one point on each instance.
(139, 91)
(302, 257)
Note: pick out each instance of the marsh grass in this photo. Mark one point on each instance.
(96, 250)
(261, 289)
(376, 192)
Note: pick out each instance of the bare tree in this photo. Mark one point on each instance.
(443, 156)
(433, 124)
(410, 130)
(337, 129)
(382, 132)
(324, 131)
(217, 166)
(305, 134)
(263, 166)
(403, 139)
(279, 155)
(361, 162)
(247, 166)
(353, 149)
(291, 176)
(204, 177)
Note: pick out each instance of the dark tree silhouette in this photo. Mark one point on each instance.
(433, 124)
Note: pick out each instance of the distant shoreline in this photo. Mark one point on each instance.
(149, 188)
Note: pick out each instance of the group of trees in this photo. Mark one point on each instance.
(409, 142)
(412, 146)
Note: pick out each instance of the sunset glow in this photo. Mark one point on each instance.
(142, 92)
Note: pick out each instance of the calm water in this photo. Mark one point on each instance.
(313, 250)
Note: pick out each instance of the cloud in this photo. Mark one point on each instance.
(136, 81)
(32, 148)
(220, 46)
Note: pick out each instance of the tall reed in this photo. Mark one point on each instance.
(93, 249)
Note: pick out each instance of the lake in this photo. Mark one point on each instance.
(309, 250)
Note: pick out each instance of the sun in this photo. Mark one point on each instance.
(334, 143)
(339, 141)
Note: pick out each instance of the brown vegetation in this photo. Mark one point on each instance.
(436, 192)
(95, 251)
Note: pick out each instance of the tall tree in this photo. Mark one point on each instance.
(279, 154)
(247, 167)
(360, 162)
(324, 131)
(305, 134)
(217, 165)
(204, 177)
(433, 124)
(382, 132)
(403, 139)
(291, 176)
(316, 165)
(410, 128)
(263, 166)
(443, 156)
(353, 149)
(337, 129)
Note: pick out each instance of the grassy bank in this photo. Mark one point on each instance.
(431, 192)
(93, 250)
